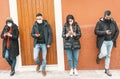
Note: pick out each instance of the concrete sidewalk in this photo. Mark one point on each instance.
(83, 74)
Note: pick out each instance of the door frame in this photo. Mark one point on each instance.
(60, 66)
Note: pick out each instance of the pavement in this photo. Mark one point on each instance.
(83, 74)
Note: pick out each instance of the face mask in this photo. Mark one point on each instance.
(70, 23)
(9, 24)
(39, 21)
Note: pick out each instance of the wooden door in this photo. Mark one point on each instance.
(27, 10)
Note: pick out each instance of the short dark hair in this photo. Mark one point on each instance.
(107, 12)
(38, 14)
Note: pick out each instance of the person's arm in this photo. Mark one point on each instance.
(33, 33)
(49, 36)
(4, 32)
(78, 34)
(65, 35)
(15, 33)
(116, 32)
(98, 31)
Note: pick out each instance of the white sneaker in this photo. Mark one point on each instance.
(75, 72)
(71, 72)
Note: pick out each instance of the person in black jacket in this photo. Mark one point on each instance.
(10, 44)
(42, 34)
(71, 34)
(107, 32)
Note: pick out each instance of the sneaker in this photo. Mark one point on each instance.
(98, 60)
(43, 72)
(12, 73)
(75, 72)
(38, 68)
(71, 72)
(108, 72)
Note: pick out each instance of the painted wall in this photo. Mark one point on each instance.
(87, 13)
(4, 12)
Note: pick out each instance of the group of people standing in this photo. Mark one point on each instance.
(106, 30)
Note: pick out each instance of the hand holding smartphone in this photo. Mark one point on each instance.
(37, 34)
(108, 32)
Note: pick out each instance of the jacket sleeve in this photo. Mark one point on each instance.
(33, 31)
(15, 33)
(116, 32)
(98, 31)
(49, 35)
(78, 32)
(64, 32)
(5, 29)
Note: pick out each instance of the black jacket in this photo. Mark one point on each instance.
(71, 42)
(47, 33)
(100, 31)
(14, 45)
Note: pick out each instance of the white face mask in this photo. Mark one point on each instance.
(39, 21)
(71, 22)
(9, 24)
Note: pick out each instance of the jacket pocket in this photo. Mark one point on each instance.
(76, 44)
(67, 45)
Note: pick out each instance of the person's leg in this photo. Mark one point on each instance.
(70, 57)
(75, 63)
(13, 66)
(75, 57)
(103, 52)
(7, 57)
(13, 63)
(44, 54)
(107, 59)
(36, 56)
(70, 60)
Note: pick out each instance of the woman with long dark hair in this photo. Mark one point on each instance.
(71, 34)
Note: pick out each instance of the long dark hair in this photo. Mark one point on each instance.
(67, 21)
(70, 17)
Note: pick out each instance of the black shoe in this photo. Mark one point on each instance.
(98, 59)
(12, 73)
(108, 72)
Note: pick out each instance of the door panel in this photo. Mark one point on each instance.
(27, 10)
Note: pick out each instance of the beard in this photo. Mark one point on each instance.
(108, 20)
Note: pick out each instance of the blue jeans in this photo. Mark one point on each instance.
(105, 51)
(11, 62)
(72, 55)
(44, 54)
